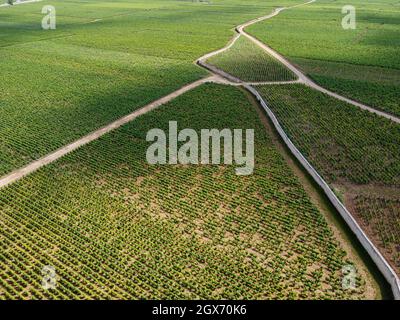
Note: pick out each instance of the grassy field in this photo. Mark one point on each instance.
(115, 227)
(355, 151)
(104, 60)
(248, 62)
(363, 64)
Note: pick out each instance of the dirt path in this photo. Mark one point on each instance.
(364, 240)
(18, 2)
(218, 77)
(37, 164)
(302, 78)
(307, 81)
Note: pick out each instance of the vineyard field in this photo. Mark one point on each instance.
(115, 227)
(375, 86)
(190, 151)
(362, 64)
(103, 61)
(250, 63)
(355, 151)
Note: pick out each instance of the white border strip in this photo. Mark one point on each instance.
(373, 252)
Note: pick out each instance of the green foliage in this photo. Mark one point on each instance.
(315, 32)
(382, 214)
(350, 148)
(345, 61)
(104, 60)
(375, 86)
(115, 227)
(342, 141)
(248, 62)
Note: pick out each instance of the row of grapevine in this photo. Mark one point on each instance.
(86, 75)
(352, 63)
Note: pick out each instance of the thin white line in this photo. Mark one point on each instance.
(372, 250)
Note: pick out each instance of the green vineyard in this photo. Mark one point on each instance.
(115, 227)
(361, 162)
(199, 153)
(89, 72)
(248, 62)
(362, 64)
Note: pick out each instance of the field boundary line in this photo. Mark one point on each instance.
(308, 82)
(374, 253)
(55, 155)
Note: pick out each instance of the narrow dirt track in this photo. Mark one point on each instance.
(218, 77)
(37, 164)
(307, 81)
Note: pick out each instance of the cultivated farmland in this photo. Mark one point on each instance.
(104, 60)
(116, 227)
(363, 64)
(355, 151)
(248, 62)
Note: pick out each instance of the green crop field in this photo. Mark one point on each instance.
(363, 64)
(248, 62)
(356, 152)
(84, 213)
(116, 227)
(104, 60)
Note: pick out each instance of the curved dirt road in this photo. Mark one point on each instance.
(37, 164)
(369, 246)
